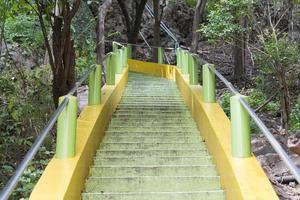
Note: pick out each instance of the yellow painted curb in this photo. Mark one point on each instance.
(64, 179)
(154, 69)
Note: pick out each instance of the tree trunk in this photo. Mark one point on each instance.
(1, 38)
(284, 99)
(239, 53)
(156, 29)
(133, 25)
(198, 17)
(291, 20)
(99, 14)
(62, 53)
(64, 56)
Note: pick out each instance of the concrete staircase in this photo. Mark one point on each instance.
(152, 149)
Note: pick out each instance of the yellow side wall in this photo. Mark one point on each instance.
(65, 179)
(154, 69)
(241, 178)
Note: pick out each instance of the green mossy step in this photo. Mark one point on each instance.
(154, 170)
(152, 183)
(152, 149)
(151, 133)
(151, 153)
(152, 146)
(152, 139)
(198, 195)
(145, 161)
(132, 128)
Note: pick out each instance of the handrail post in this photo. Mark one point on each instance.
(114, 46)
(193, 77)
(111, 69)
(66, 129)
(125, 57)
(119, 61)
(129, 51)
(178, 57)
(240, 128)
(189, 63)
(95, 86)
(160, 55)
(209, 84)
(185, 62)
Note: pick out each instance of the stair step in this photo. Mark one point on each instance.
(143, 123)
(156, 108)
(152, 128)
(151, 139)
(144, 161)
(195, 195)
(151, 133)
(180, 105)
(140, 112)
(152, 184)
(154, 170)
(151, 146)
(151, 153)
(152, 149)
(154, 116)
(138, 119)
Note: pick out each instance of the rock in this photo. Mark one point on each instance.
(261, 146)
(293, 144)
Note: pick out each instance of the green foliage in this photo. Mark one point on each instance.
(295, 117)
(84, 40)
(24, 30)
(276, 53)
(223, 20)
(26, 103)
(225, 102)
(191, 3)
(257, 98)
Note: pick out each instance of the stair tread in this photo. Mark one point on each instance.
(152, 149)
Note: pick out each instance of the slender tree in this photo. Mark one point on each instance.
(99, 13)
(158, 7)
(133, 22)
(58, 15)
(198, 18)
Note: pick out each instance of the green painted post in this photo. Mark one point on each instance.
(111, 69)
(125, 57)
(194, 71)
(185, 62)
(160, 56)
(114, 46)
(119, 62)
(181, 58)
(240, 128)
(178, 58)
(66, 129)
(209, 84)
(129, 51)
(189, 56)
(95, 86)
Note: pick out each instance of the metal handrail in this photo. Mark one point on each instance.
(119, 44)
(142, 46)
(13, 181)
(275, 144)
